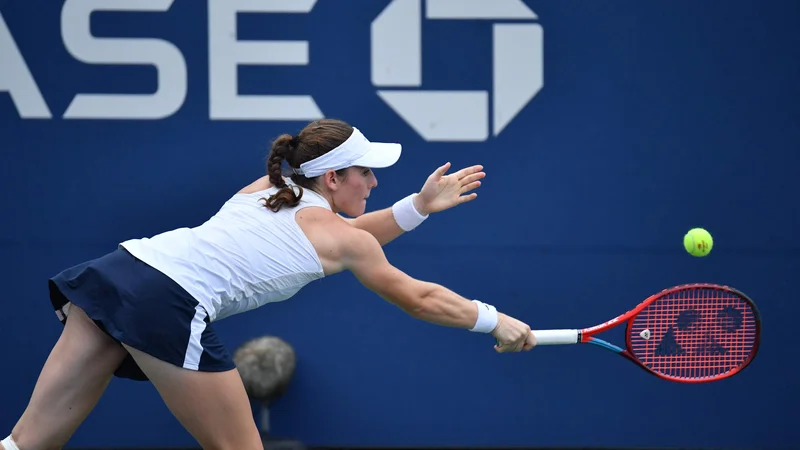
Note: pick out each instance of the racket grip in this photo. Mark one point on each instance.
(555, 337)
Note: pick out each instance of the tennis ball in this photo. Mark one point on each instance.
(698, 242)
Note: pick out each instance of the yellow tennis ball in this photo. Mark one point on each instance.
(698, 242)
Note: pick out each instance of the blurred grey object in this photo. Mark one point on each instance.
(266, 365)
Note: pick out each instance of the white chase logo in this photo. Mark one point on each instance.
(395, 62)
(517, 68)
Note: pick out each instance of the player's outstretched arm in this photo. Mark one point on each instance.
(431, 302)
(440, 192)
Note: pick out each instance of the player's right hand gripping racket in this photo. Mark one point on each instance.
(691, 333)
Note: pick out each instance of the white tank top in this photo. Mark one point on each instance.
(243, 257)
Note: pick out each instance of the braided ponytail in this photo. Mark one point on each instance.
(316, 139)
(281, 149)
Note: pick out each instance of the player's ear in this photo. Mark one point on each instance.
(331, 180)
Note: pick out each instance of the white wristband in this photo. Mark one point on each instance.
(406, 215)
(487, 318)
(9, 444)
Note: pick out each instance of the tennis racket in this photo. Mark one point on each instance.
(692, 333)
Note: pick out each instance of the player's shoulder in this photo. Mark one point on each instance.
(358, 246)
(258, 185)
(339, 228)
(323, 222)
(335, 240)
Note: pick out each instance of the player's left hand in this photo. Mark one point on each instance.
(442, 191)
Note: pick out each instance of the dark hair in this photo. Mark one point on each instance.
(316, 139)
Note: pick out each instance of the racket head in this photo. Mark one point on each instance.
(694, 333)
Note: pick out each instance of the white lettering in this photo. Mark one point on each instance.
(226, 53)
(167, 59)
(16, 79)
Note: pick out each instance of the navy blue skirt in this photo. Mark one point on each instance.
(141, 307)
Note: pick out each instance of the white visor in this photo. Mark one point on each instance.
(355, 151)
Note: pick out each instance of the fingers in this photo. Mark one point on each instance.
(469, 187)
(524, 343)
(471, 182)
(510, 347)
(531, 341)
(467, 198)
(469, 179)
(467, 171)
(502, 348)
(466, 188)
(506, 348)
(441, 170)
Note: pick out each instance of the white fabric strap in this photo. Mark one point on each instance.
(487, 318)
(406, 215)
(9, 444)
(340, 157)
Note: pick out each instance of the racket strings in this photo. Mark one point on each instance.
(695, 333)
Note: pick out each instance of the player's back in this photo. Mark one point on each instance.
(243, 257)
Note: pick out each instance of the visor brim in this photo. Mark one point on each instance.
(380, 155)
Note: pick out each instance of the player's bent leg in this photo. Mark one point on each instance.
(212, 406)
(71, 382)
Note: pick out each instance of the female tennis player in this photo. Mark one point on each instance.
(146, 310)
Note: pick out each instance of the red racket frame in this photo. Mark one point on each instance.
(588, 335)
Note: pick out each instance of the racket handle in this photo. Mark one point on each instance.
(555, 337)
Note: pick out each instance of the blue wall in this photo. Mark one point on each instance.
(654, 117)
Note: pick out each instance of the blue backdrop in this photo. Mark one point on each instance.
(653, 117)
